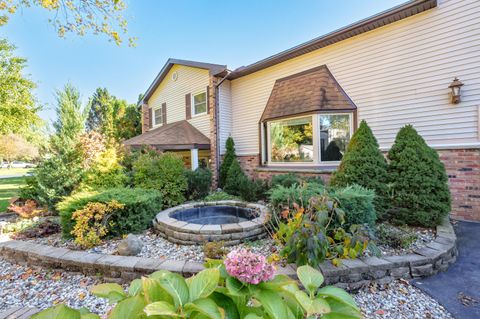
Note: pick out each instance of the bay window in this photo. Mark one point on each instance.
(318, 139)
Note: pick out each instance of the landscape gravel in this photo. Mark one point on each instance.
(398, 300)
(155, 246)
(40, 288)
(30, 287)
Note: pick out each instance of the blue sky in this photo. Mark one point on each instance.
(235, 33)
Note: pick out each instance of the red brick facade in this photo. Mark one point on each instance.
(463, 169)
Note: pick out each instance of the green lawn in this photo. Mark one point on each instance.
(8, 189)
(14, 171)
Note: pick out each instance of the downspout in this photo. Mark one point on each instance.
(217, 123)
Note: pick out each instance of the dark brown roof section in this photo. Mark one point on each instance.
(394, 14)
(311, 91)
(214, 69)
(179, 135)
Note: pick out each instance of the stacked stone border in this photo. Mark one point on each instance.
(185, 233)
(351, 275)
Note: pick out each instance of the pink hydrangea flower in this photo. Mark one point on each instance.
(249, 267)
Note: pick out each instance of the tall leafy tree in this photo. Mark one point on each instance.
(77, 16)
(16, 147)
(128, 122)
(18, 106)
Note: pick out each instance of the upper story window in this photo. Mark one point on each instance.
(158, 116)
(199, 102)
(314, 139)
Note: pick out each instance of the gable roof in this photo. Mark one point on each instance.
(314, 90)
(179, 135)
(212, 68)
(394, 14)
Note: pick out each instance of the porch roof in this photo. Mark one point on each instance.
(179, 135)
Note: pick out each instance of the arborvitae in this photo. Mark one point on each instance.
(235, 178)
(420, 194)
(364, 164)
(228, 159)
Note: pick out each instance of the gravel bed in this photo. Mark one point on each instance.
(40, 288)
(156, 246)
(30, 287)
(424, 236)
(398, 300)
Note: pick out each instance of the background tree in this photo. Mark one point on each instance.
(18, 107)
(61, 169)
(364, 164)
(128, 123)
(420, 193)
(77, 16)
(100, 105)
(15, 147)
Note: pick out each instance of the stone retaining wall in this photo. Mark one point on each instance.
(351, 275)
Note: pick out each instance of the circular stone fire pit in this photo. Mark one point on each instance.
(200, 222)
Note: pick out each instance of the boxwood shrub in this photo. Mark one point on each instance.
(141, 205)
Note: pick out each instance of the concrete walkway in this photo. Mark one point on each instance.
(458, 289)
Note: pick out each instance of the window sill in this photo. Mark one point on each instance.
(298, 169)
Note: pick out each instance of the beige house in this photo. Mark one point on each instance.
(392, 69)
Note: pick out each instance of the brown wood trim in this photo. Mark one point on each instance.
(188, 106)
(355, 121)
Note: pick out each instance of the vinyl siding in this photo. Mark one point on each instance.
(396, 75)
(225, 114)
(190, 80)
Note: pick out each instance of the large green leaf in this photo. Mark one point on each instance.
(227, 303)
(341, 310)
(58, 312)
(135, 287)
(312, 306)
(252, 316)
(339, 295)
(176, 287)
(89, 316)
(274, 306)
(153, 291)
(277, 283)
(203, 284)
(310, 278)
(236, 287)
(130, 308)
(207, 307)
(113, 292)
(161, 308)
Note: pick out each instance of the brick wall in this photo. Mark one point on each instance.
(212, 98)
(463, 170)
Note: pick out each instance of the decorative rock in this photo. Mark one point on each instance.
(130, 246)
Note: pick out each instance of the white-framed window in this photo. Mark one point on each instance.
(199, 103)
(158, 116)
(317, 139)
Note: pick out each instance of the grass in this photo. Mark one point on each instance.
(8, 189)
(14, 171)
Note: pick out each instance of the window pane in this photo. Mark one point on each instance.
(200, 103)
(158, 116)
(200, 108)
(291, 140)
(334, 136)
